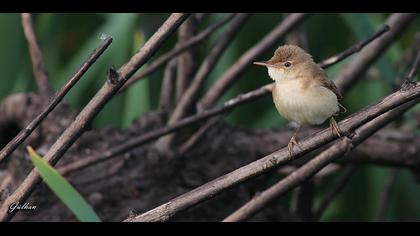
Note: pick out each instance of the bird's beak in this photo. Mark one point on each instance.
(263, 63)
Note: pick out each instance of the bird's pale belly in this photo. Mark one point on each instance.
(311, 106)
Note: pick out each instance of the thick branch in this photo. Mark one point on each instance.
(212, 188)
(341, 148)
(309, 169)
(24, 133)
(75, 130)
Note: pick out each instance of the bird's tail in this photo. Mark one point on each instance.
(342, 109)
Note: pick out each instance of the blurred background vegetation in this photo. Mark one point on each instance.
(67, 39)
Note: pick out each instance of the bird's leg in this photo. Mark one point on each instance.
(292, 142)
(334, 127)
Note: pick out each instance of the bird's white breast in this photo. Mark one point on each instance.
(311, 105)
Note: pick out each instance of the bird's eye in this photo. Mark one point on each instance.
(287, 64)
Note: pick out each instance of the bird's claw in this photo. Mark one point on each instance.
(335, 129)
(292, 142)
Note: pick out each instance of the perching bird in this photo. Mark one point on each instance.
(302, 92)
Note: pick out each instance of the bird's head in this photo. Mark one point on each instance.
(288, 60)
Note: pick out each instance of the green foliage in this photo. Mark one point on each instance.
(67, 39)
(67, 194)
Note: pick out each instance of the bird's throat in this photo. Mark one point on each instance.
(275, 74)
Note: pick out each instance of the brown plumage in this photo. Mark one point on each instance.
(302, 91)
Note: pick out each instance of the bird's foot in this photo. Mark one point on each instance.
(292, 142)
(334, 127)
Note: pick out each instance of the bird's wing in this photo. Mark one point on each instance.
(329, 84)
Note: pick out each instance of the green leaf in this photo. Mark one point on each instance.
(67, 194)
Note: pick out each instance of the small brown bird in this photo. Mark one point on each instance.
(302, 93)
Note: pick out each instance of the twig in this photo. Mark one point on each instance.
(385, 196)
(227, 79)
(55, 100)
(404, 62)
(358, 66)
(189, 97)
(302, 201)
(356, 48)
(36, 56)
(152, 135)
(341, 148)
(197, 135)
(414, 68)
(267, 163)
(167, 85)
(344, 178)
(187, 61)
(74, 131)
(152, 67)
(325, 172)
(201, 16)
(298, 37)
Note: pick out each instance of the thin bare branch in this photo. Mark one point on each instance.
(414, 68)
(355, 48)
(197, 135)
(167, 85)
(55, 100)
(156, 64)
(302, 201)
(329, 197)
(298, 37)
(201, 16)
(233, 73)
(187, 61)
(152, 135)
(114, 82)
(189, 97)
(267, 163)
(353, 71)
(386, 194)
(38, 66)
(321, 175)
